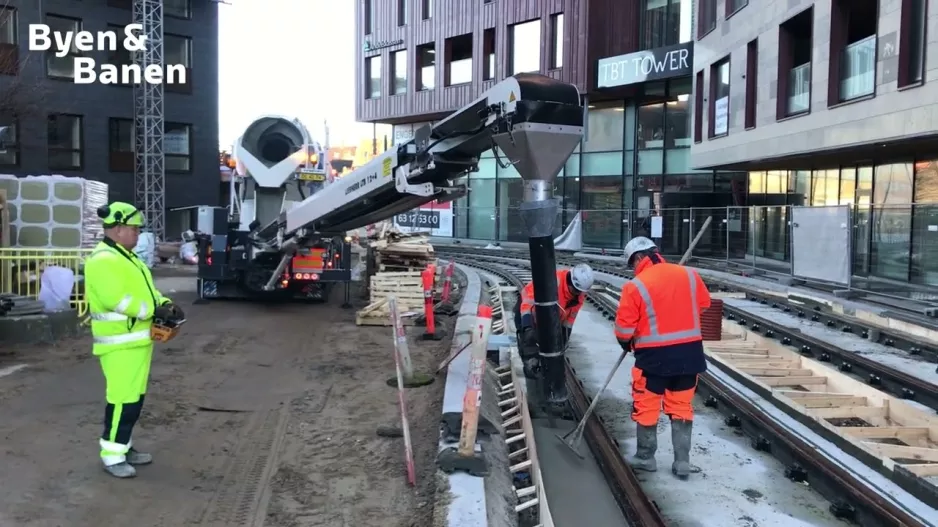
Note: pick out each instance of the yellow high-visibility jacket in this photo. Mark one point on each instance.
(121, 298)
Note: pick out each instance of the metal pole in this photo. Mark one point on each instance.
(727, 233)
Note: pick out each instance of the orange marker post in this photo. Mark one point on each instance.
(429, 276)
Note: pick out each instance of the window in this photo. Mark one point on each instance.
(373, 77)
(65, 142)
(698, 106)
(891, 221)
(482, 209)
(556, 35)
(524, 45)
(368, 13)
(177, 51)
(426, 67)
(9, 142)
(399, 72)
(706, 17)
(666, 22)
(605, 128)
(488, 51)
(177, 147)
(402, 12)
(752, 84)
(120, 55)
(733, 6)
(62, 67)
(912, 42)
(852, 64)
(177, 8)
(795, 46)
(458, 60)
(719, 98)
(925, 212)
(9, 49)
(121, 145)
(427, 9)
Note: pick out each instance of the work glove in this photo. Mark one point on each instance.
(176, 311)
(626, 345)
(528, 337)
(164, 312)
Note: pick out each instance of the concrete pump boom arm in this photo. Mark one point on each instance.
(532, 119)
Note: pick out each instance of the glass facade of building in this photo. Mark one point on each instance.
(631, 151)
(895, 214)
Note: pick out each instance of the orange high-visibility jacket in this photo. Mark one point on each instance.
(570, 303)
(659, 311)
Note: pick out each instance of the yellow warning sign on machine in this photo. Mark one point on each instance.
(386, 167)
(511, 97)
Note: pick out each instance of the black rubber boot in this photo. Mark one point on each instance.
(646, 446)
(681, 439)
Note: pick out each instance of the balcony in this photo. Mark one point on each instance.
(858, 69)
(799, 89)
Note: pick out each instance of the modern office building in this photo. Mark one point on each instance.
(86, 130)
(827, 103)
(631, 59)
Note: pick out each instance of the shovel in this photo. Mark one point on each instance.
(573, 438)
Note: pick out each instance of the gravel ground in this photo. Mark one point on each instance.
(257, 415)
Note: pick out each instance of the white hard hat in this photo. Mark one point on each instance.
(582, 277)
(636, 245)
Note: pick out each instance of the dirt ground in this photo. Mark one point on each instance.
(258, 415)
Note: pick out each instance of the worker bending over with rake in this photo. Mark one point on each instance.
(572, 286)
(659, 319)
(126, 312)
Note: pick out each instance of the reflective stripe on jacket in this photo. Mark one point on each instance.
(570, 304)
(659, 311)
(121, 298)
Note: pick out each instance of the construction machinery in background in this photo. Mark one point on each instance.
(286, 232)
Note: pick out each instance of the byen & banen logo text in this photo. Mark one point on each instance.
(88, 70)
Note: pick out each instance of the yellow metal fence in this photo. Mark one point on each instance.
(21, 269)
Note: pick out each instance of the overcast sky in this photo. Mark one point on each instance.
(289, 57)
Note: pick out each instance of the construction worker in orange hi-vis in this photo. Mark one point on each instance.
(659, 320)
(572, 286)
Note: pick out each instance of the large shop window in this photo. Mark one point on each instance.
(891, 221)
(601, 205)
(925, 214)
(482, 201)
(461, 212)
(605, 127)
(571, 189)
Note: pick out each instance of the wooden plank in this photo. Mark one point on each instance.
(835, 400)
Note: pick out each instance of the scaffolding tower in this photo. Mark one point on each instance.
(149, 169)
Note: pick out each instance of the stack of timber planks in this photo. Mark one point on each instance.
(403, 252)
(405, 286)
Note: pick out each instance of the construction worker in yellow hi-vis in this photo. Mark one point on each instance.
(122, 302)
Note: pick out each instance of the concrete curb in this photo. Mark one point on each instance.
(462, 502)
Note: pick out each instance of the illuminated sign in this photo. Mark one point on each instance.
(375, 45)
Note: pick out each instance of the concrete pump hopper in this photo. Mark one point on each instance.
(270, 151)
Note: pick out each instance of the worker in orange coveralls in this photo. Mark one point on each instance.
(572, 286)
(659, 319)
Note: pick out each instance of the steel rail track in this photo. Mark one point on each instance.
(638, 509)
(851, 499)
(801, 307)
(876, 374)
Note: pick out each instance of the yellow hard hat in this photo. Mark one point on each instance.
(120, 213)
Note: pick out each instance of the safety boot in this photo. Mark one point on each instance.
(681, 438)
(121, 470)
(646, 446)
(135, 457)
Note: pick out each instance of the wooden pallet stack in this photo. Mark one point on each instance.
(405, 286)
(397, 252)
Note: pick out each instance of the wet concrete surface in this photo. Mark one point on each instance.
(576, 489)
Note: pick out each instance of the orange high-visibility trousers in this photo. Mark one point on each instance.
(649, 394)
